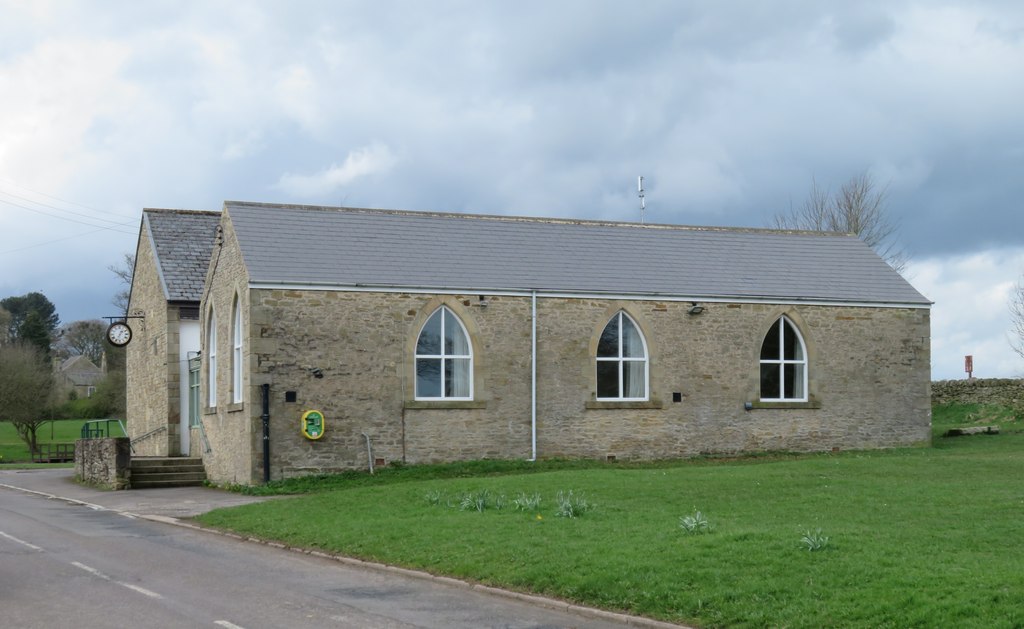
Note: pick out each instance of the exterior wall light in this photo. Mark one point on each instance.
(695, 308)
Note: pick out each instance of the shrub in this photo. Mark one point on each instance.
(526, 502)
(481, 500)
(695, 524)
(436, 497)
(572, 505)
(814, 540)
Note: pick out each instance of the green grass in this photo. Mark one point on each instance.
(949, 416)
(14, 450)
(917, 537)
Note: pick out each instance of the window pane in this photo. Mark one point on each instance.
(794, 381)
(770, 382)
(456, 377)
(608, 344)
(428, 377)
(429, 342)
(607, 378)
(632, 344)
(634, 384)
(792, 343)
(455, 342)
(770, 347)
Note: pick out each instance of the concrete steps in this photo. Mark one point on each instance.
(151, 472)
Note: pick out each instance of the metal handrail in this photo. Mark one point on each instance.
(89, 432)
(202, 434)
(146, 435)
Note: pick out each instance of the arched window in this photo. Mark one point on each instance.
(444, 359)
(211, 358)
(236, 353)
(783, 363)
(621, 361)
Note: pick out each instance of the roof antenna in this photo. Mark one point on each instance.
(643, 204)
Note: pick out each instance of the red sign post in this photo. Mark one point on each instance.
(969, 366)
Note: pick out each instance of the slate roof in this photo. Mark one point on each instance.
(182, 240)
(80, 371)
(307, 245)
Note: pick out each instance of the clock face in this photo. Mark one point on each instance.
(119, 334)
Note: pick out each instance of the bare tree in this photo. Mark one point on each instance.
(1017, 318)
(124, 271)
(858, 207)
(26, 386)
(86, 338)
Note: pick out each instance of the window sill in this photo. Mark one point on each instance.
(453, 404)
(234, 408)
(813, 404)
(209, 410)
(599, 405)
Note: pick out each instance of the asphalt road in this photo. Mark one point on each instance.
(69, 565)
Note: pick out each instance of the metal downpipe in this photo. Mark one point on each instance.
(265, 390)
(533, 376)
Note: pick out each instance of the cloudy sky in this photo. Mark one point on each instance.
(728, 109)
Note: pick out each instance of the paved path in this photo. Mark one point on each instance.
(175, 502)
(75, 556)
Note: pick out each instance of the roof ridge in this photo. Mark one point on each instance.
(533, 219)
(163, 210)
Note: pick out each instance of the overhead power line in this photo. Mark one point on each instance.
(121, 223)
(6, 182)
(65, 218)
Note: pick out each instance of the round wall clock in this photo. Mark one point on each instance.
(119, 334)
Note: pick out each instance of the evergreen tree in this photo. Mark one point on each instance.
(33, 319)
(32, 331)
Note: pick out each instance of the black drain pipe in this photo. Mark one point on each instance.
(266, 432)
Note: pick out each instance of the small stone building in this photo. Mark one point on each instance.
(422, 337)
(77, 376)
(171, 261)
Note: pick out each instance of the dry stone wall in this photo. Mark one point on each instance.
(103, 462)
(998, 391)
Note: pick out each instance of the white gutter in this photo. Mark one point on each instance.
(533, 376)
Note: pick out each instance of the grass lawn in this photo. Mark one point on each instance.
(917, 537)
(14, 450)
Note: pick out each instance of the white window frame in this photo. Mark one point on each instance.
(621, 360)
(211, 358)
(444, 357)
(236, 354)
(781, 361)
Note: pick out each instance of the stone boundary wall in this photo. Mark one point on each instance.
(1001, 391)
(103, 462)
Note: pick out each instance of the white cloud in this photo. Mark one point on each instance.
(49, 127)
(971, 313)
(361, 162)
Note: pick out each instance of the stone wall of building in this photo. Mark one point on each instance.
(103, 462)
(869, 381)
(998, 391)
(148, 392)
(229, 426)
